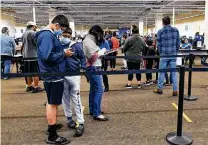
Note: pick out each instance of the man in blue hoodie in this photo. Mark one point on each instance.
(72, 83)
(51, 59)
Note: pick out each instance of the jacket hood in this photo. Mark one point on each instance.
(43, 30)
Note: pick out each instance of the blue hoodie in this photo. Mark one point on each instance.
(51, 57)
(77, 61)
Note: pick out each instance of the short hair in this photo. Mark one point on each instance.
(68, 31)
(149, 42)
(61, 20)
(114, 33)
(4, 29)
(125, 35)
(135, 30)
(30, 26)
(98, 32)
(166, 20)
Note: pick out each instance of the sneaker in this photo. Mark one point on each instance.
(139, 86)
(58, 140)
(158, 91)
(6, 78)
(146, 83)
(175, 93)
(128, 86)
(79, 131)
(151, 82)
(106, 89)
(72, 124)
(101, 118)
(36, 90)
(29, 89)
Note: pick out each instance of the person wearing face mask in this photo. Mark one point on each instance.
(7, 50)
(93, 52)
(29, 50)
(72, 83)
(51, 59)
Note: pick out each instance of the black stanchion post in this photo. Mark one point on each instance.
(180, 138)
(189, 97)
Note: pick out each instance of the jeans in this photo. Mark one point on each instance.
(163, 65)
(7, 65)
(96, 91)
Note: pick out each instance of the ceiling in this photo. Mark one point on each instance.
(107, 13)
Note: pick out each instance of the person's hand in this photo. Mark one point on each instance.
(68, 52)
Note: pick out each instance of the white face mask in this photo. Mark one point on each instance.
(65, 40)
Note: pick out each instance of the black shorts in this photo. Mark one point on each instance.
(54, 91)
(31, 66)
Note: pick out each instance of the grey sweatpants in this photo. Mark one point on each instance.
(72, 95)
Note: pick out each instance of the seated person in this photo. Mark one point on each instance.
(186, 44)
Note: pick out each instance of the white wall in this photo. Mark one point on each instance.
(19, 31)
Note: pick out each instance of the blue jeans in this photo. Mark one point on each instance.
(7, 65)
(96, 91)
(163, 65)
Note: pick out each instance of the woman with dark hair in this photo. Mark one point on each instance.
(134, 46)
(93, 52)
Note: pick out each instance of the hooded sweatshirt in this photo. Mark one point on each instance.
(51, 56)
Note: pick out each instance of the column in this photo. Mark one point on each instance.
(173, 20)
(141, 28)
(72, 26)
(206, 24)
(52, 13)
(34, 15)
(158, 22)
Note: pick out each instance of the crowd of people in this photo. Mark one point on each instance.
(56, 52)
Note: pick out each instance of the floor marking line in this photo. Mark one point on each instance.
(184, 115)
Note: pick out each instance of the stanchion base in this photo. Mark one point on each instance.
(173, 139)
(190, 98)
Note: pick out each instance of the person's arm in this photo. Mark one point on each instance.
(126, 45)
(159, 42)
(178, 41)
(81, 56)
(107, 46)
(32, 37)
(13, 46)
(46, 50)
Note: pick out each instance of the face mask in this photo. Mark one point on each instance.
(65, 40)
(58, 32)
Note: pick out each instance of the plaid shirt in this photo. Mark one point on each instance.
(168, 40)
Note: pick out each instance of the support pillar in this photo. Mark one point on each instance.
(141, 28)
(173, 21)
(34, 15)
(158, 22)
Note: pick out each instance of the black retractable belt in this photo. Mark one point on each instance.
(179, 137)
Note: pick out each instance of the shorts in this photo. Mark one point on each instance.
(54, 91)
(31, 67)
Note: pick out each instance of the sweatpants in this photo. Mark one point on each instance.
(149, 66)
(134, 66)
(71, 95)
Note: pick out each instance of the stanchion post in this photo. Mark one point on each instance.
(180, 138)
(189, 97)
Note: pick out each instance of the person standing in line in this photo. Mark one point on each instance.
(124, 37)
(115, 45)
(168, 44)
(104, 67)
(93, 52)
(75, 63)
(7, 50)
(134, 46)
(29, 49)
(51, 59)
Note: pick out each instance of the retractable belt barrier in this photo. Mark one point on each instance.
(176, 138)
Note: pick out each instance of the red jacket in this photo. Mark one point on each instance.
(115, 43)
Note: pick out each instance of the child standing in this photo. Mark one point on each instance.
(72, 83)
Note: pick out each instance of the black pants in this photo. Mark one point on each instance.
(113, 61)
(149, 66)
(105, 67)
(133, 66)
(157, 61)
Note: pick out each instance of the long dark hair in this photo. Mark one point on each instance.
(98, 32)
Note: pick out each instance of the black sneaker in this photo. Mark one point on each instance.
(72, 124)
(36, 90)
(128, 86)
(146, 83)
(79, 131)
(106, 89)
(139, 86)
(29, 89)
(58, 140)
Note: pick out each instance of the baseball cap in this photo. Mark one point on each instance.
(31, 23)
